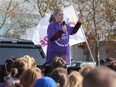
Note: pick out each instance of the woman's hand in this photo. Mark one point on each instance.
(80, 18)
(64, 28)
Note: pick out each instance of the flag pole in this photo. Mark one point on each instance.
(88, 47)
(84, 35)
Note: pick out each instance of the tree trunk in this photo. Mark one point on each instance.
(97, 53)
(97, 58)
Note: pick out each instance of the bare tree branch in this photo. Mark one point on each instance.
(5, 17)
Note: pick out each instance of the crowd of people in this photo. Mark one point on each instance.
(23, 72)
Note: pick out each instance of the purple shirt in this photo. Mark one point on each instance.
(59, 47)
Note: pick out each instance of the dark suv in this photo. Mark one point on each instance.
(15, 48)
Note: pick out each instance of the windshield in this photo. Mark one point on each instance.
(10, 52)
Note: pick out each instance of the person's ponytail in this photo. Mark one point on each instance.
(51, 18)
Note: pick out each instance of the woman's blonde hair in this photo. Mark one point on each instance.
(31, 61)
(30, 76)
(75, 79)
(56, 11)
(86, 69)
(59, 62)
(21, 65)
(60, 76)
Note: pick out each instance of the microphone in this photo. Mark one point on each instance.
(63, 23)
